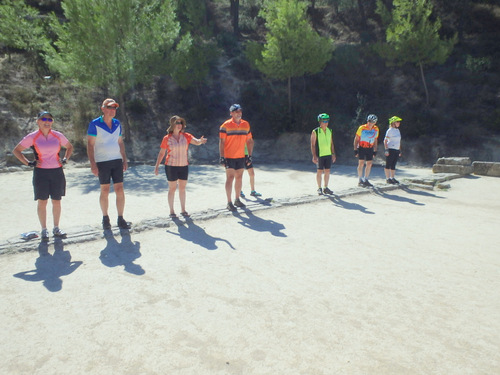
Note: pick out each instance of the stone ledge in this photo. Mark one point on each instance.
(485, 168)
(454, 161)
(445, 168)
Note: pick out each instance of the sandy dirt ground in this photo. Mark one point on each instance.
(146, 194)
(404, 281)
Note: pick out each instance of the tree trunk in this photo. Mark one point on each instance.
(125, 122)
(234, 11)
(362, 12)
(425, 83)
(290, 96)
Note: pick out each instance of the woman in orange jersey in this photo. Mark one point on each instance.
(175, 145)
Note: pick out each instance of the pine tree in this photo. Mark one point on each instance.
(114, 44)
(21, 27)
(292, 47)
(412, 36)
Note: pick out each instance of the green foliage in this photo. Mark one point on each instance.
(292, 47)
(341, 5)
(253, 52)
(412, 35)
(191, 62)
(194, 52)
(21, 27)
(191, 15)
(249, 11)
(384, 13)
(114, 44)
(477, 64)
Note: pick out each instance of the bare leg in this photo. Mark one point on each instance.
(103, 199)
(361, 164)
(368, 168)
(319, 172)
(326, 177)
(238, 182)
(120, 198)
(172, 186)
(42, 212)
(230, 173)
(182, 194)
(56, 211)
(387, 173)
(251, 174)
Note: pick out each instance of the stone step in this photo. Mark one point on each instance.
(459, 169)
(454, 161)
(486, 168)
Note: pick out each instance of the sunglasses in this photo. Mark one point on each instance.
(111, 107)
(325, 120)
(46, 119)
(179, 123)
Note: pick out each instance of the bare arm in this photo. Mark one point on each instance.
(222, 142)
(90, 154)
(197, 142)
(334, 157)
(250, 144)
(313, 147)
(356, 142)
(160, 157)
(122, 152)
(69, 151)
(17, 151)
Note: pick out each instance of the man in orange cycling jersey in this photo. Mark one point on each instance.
(365, 148)
(234, 134)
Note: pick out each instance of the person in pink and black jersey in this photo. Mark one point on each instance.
(48, 174)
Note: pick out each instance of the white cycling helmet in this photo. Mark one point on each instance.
(372, 118)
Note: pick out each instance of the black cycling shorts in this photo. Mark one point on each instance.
(49, 182)
(235, 163)
(324, 162)
(392, 159)
(365, 153)
(176, 173)
(110, 170)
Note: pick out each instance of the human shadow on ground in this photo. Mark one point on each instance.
(257, 200)
(260, 225)
(49, 268)
(422, 193)
(339, 202)
(397, 198)
(122, 253)
(135, 177)
(191, 232)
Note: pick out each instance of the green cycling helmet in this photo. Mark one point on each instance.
(323, 116)
(394, 119)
